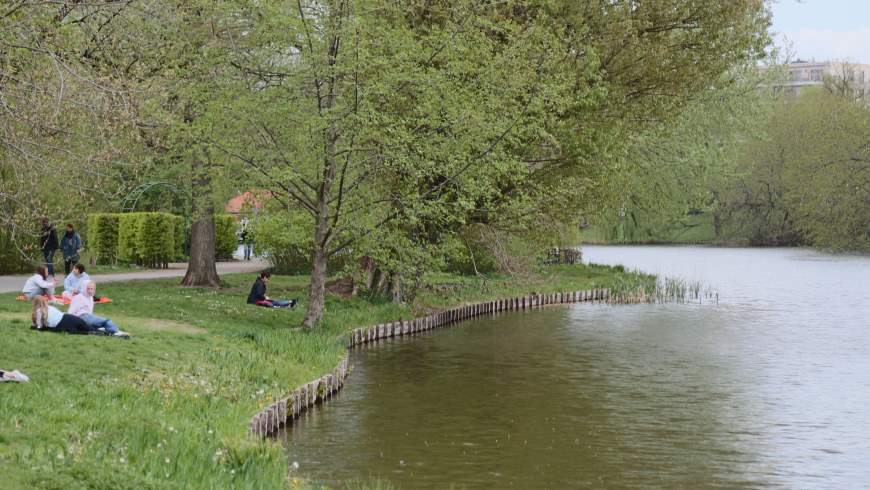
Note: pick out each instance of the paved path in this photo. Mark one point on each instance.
(10, 284)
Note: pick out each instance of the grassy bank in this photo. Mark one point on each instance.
(169, 408)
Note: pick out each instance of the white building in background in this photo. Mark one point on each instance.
(813, 73)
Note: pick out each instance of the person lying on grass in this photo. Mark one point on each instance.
(258, 296)
(13, 376)
(50, 319)
(75, 282)
(82, 306)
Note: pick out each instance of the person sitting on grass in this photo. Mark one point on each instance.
(75, 282)
(82, 306)
(258, 296)
(50, 319)
(38, 284)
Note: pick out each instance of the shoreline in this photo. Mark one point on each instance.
(269, 421)
(203, 370)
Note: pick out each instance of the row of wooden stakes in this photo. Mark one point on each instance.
(282, 412)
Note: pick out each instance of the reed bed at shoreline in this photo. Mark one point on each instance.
(639, 289)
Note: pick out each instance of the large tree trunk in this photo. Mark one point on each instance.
(201, 268)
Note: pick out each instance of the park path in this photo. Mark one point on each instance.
(10, 284)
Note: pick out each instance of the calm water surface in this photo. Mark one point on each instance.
(769, 388)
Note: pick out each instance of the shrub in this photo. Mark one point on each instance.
(285, 239)
(181, 231)
(11, 259)
(225, 242)
(149, 239)
(102, 237)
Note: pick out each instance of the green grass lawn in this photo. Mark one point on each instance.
(170, 407)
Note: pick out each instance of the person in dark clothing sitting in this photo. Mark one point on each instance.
(258, 296)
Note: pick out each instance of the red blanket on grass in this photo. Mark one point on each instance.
(63, 300)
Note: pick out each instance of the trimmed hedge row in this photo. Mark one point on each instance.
(225, 240)
(102, 239)
(150, 239)
(147, 239)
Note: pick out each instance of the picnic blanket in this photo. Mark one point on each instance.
(103, 299)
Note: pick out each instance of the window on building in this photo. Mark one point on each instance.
(816, 75)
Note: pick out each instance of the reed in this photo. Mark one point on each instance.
(639, 288)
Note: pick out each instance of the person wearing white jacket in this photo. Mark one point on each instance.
(75, 282)
(38, 284)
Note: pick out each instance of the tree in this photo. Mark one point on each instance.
(368, 113)
(65, 130)
(808, 177)
(174, 55)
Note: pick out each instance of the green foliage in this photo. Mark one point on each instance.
(285, 239)
(181, 232)
(148, 239)
(61, 134)
(11, 259)
(226, 241)
(805, 177)
(103, 237)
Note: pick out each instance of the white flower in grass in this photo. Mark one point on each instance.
(166, 460)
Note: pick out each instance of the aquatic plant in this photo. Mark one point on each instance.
(638, 288)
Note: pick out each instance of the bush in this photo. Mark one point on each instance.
(285, 239)
(225, 241)
(102, 237)
(11, 259)
(181, 231)
(149, 239)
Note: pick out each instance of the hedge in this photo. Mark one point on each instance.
(225, 242)
(151, 239)
(148, 239)
(103, 237)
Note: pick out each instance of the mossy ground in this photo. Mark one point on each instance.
(169, 408)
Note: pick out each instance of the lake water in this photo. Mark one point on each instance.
(768, 388)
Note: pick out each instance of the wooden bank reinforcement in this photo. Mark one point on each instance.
(282, 412)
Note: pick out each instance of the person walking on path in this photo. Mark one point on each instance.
(246, 239)
(70, 246)
(247, 243)
(48, 244)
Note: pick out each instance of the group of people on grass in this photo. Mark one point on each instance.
(80, 317)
